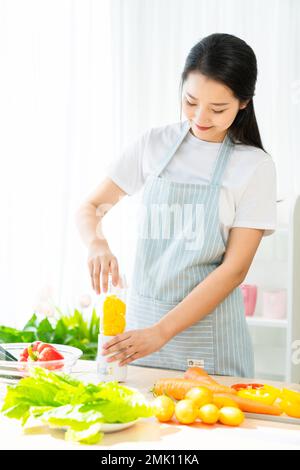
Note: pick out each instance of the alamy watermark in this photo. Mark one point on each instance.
(164, 222)
(296, 352)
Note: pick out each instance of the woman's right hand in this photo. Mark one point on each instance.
(101, 261)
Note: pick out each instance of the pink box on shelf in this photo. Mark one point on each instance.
(250, 297)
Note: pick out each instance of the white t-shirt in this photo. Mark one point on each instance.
(248, 185)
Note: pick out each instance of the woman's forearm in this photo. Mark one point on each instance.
(90, 214)
(202, 300)
(89, 224)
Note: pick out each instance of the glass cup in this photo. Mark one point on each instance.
(274, 303)
(250, 297)
(110, 371)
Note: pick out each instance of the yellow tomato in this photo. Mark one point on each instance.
(163, 408)
(200, 396)
(209, 414)
(220, 402)
(231, 416)
(291, 408)
(186, 412)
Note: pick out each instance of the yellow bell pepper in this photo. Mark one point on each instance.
(273, 390)
(290, 395)
(291, 408)
(260, 395)
(114, 310)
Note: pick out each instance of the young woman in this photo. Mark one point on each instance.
(211, 173)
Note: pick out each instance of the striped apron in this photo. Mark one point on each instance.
(179, 245)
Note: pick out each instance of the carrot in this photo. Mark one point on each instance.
(195, 372)
(251, 406)
(178, 387)
(174, 388)
(201, 376)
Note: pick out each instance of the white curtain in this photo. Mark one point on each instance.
(56, 135)
(82, 79)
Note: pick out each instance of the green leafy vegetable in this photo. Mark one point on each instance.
(11, 335)
(92, 435)
(32, 324)
(59, 400)
(72, 330)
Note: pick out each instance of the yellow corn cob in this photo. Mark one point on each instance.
(114, 310)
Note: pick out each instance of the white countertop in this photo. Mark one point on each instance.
(150, 434)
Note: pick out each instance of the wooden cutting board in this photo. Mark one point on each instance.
(279, 419)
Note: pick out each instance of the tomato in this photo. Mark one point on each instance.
(220, 402)
(186, 412)
(231, 416)
(291, 408)
(163, 408)
(200, 396)
(209, 414)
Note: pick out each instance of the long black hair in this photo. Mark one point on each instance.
(231, 61)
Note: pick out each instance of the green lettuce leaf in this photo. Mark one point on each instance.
(91, 435)
(60, 400)
(72, 416)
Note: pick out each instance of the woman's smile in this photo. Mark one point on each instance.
(203, 128)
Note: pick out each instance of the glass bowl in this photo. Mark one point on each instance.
(12, 371)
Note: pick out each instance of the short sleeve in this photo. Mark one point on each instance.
(127, 170)
(257, 206)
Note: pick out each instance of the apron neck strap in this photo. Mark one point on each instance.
(185, 129)
(221, 160)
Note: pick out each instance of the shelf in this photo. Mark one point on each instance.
(276, 265)
(266, 322)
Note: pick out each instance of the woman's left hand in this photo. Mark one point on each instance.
(134, 344)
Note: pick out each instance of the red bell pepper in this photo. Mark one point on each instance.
(238, 387)
(41, 352)
(36, 344)
(24, 355)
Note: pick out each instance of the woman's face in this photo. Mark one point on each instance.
(208, 103)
